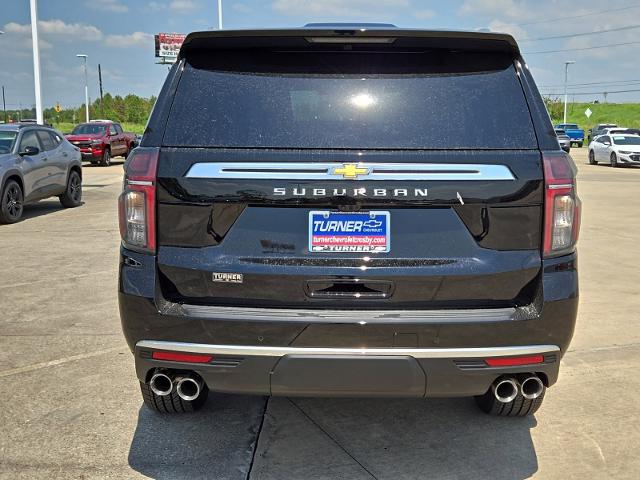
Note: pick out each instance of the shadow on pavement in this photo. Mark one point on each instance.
(305, 438)
(391, 439)
(43, 207)
(216, 442)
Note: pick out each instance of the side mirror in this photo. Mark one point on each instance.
(30, 151)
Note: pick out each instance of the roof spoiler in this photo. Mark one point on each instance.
(390, 37)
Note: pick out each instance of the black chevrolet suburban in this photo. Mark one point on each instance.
(349, 211)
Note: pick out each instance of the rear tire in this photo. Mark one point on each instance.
(592, 158)
(614, 160)
(172, 403)
(72, 196)
(12, 202)
(518, 407)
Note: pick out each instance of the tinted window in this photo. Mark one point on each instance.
(7, 139)
(46, 140)
(29, 139)
(117, 127)
(626, 140)
(89, 129)
(416, 100)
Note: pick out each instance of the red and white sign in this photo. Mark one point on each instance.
(168, 45)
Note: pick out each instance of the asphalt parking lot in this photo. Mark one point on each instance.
(71, 408)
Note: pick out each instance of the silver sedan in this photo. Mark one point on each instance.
(563, 139)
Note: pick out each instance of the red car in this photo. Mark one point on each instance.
(99, 140)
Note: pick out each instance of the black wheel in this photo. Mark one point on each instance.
(106, 158)
(172, 403)
(614, 160)
(12, 202)
(72, 197)
(518, 407)
(592, 158)
(580, 144)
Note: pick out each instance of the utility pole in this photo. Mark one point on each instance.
(86, 86)
(36, 59)
(100, 80)
(219, 14)
(566, 78)
(4, 105)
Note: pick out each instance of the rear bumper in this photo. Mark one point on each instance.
(91, 154)
(363, 352)
(370, 372)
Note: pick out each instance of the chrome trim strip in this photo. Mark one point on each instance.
(558, 186)
(412, 352)
(139, 182)
(334, 171)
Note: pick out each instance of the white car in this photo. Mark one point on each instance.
(616, 149)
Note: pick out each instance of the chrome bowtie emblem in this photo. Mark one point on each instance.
(351, 171)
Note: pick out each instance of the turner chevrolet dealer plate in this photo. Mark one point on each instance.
(349, 232)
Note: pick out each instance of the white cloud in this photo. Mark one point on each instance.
(508, 8)
(57, 31)
(336, 8)
(135, 39)
(176, 6)
(424, 14)
(182, 6)
(72, 31)
(499, 26)
(242, 8)
(108, 6)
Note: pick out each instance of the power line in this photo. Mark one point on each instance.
(631, 84)
(591, 93)
(583, 34)
(591, 83)
(581, 49)
(571, 17)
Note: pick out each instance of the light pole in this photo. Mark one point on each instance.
(566, 77)
(36, 59)
(86, 85)
(219, 14)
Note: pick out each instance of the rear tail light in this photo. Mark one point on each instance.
(562, 207)
(137, 203)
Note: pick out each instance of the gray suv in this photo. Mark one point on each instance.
(36, 162)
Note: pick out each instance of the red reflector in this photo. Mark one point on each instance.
(182, 357)
(514, 361)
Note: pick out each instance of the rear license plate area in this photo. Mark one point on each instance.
(344, 232)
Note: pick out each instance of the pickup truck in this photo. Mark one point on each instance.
(599, 129)
(99, 140)
(575, 133)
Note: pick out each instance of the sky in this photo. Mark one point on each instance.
(118, 34)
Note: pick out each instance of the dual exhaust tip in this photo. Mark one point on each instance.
(506, 389)
(187, 387)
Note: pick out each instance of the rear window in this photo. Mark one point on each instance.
(400, 100)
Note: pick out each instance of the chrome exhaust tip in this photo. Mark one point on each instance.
(188, 388)
(161, 384)
(505, 389)
(531, 387)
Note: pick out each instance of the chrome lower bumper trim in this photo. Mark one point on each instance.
(483, 352)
